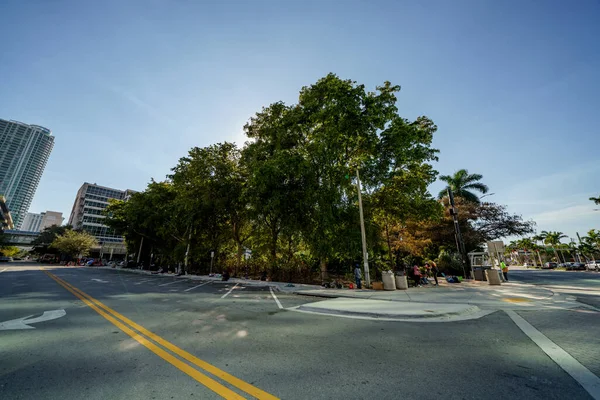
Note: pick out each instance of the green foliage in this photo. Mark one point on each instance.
(462, 183)
(9, 251)
(74, 244)
(290, 193)
(41, 245)
(596, 200)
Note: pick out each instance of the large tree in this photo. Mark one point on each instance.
(210, 184)
(74, 244)
(479, 223)
(41, 244)
(462, 184)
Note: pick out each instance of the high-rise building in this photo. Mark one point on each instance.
(32, 222)
(87, 210)
(38, 222)
(24, 152)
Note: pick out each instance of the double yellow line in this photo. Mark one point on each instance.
(142, 335)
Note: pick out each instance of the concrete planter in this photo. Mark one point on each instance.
(388, 280)
(401, 282)
(492, 276)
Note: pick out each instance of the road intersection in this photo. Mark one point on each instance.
(146, 336)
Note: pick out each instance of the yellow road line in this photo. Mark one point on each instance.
(197, 375)
(240, 384)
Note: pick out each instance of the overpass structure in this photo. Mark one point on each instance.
(19, 238)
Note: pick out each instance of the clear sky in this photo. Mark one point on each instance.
(127, 87)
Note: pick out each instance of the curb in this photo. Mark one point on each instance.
(325, 311)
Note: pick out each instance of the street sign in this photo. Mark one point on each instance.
(23, 323)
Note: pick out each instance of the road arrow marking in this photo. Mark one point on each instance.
(99, 280)
(23, 323)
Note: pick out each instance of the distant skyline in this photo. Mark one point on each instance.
(127, 88)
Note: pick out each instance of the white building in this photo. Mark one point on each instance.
(39, 222)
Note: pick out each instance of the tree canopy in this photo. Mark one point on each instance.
(462, 184)
(288, 198)
(74, 244)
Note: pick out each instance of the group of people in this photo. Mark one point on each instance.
(422, 277)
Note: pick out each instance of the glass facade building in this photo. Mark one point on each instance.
(87, 210)
(24, 152)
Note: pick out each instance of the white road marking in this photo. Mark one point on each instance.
(23, 323)
(3, 270)
(142, 281)
(202, 284)
(99, 280)
(581, 374)
(276, 299)
(170, 283)
(230, 290)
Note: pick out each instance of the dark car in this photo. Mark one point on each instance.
(576, 266)
(549, 265)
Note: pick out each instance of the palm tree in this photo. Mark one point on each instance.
(596, 200)
(462, 183)
(552, 239)
(592, 240)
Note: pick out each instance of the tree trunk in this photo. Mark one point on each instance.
(387, 235)
(540, 257)
(238, 258)
(556, 254)
(274, 237)
(324, 273)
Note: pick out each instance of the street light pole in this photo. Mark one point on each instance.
(363, 233)
(460, 245)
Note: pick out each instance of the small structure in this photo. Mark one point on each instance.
(6, 221)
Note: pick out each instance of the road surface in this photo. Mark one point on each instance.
(130, 336)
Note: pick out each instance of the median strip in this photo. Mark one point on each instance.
(126, 324)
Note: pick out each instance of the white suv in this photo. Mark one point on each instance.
(593, 265)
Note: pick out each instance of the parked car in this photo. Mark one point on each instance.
(564, 265)
(5, 259)
(549, 265)
(576, 266)
(593, 265)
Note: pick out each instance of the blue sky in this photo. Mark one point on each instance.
(127, 87)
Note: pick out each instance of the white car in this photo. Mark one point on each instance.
(593, 265)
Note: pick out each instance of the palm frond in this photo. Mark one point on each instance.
(468, 196)
(477, 186)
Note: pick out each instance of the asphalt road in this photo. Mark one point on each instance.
(149, 337)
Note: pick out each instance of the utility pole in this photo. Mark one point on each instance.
(460, 245)
(187, 250)
(140, 251)
(363, 233)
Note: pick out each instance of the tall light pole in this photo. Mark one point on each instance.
(363, 233)
(460, 245)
